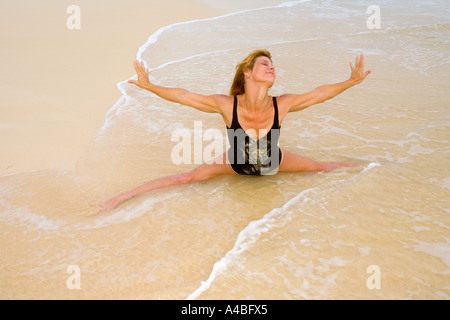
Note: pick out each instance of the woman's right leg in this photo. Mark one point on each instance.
(217, 167)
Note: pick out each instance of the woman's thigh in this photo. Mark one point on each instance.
(292, 162)
(216, 167)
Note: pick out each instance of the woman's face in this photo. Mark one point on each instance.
(263, 71)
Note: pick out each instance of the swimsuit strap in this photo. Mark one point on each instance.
(234, 122)
(276, 122)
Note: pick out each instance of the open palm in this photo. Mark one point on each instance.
(142, 73)
(358, 75)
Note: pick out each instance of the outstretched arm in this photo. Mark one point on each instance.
(297, 102)
(203, 103)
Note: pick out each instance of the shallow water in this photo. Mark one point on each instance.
(288, 236)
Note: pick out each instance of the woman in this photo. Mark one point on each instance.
(253, 120)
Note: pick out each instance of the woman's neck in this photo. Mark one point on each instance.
(255, 98)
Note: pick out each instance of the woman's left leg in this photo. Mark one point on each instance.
(292, 162)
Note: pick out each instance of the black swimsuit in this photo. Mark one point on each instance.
(254, 157)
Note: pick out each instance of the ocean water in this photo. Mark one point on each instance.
(380, 231)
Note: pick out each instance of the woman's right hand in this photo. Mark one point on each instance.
(142, 73)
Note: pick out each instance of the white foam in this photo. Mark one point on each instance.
(154, 37)
(371, 166)
(246, 238)
(33, 222)
(252, 232)
(124, 215)
(292, 3)
(439, 250)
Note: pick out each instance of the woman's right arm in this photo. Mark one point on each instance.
(200, 102)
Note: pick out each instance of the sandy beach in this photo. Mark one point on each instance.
(57, 83)
(74, 133)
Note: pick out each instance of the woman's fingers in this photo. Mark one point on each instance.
(358, 68)
(140, 68)
(361, 63)
(136, 65)
(358, 74)
(357, 64)
(142, 73)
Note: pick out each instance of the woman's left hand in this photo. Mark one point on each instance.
(358, 75)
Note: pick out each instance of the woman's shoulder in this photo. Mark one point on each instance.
(283, 104)
(225, 106)
(224, 101)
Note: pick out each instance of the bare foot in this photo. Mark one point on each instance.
(92, 210)
(109, 204)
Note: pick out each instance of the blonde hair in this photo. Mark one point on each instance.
(238, 86)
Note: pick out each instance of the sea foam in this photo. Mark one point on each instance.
(248, 236)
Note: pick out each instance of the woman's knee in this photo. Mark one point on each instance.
(192, 176)
(185, 178)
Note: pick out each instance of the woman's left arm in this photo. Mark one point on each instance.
(297, 102)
